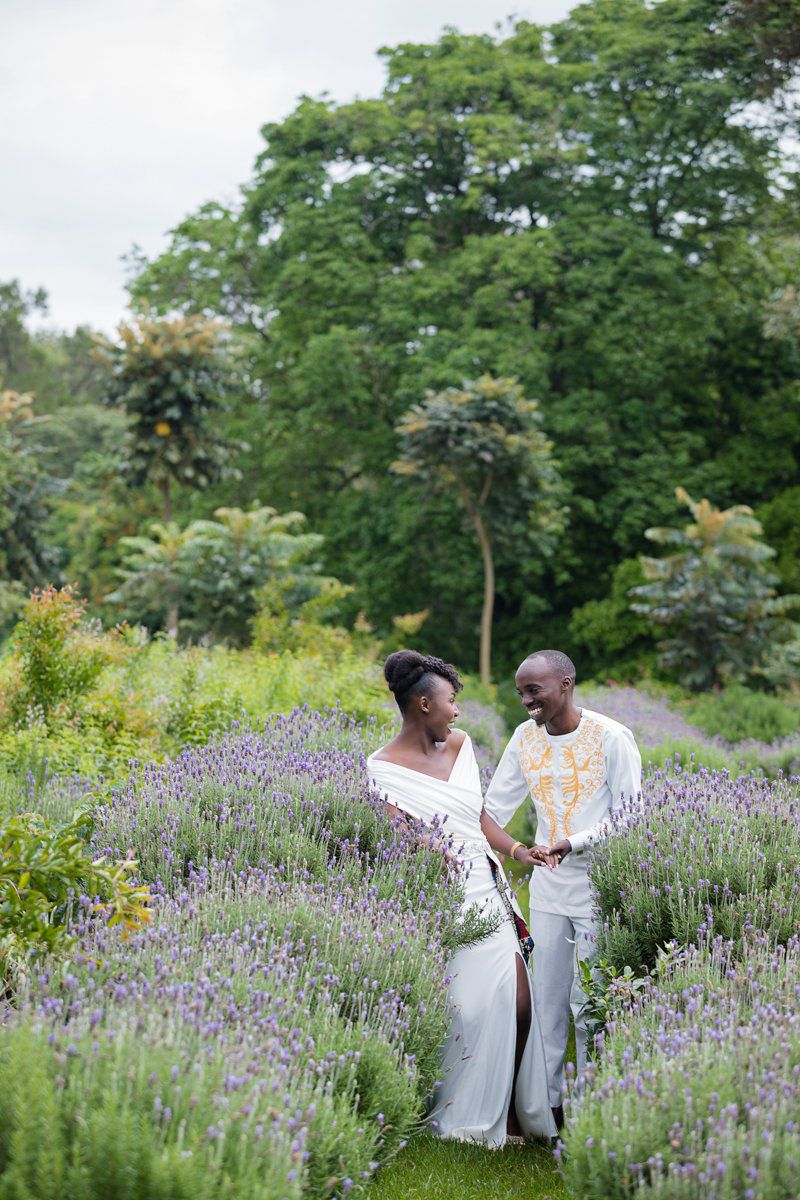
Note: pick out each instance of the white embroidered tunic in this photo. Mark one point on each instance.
(575, 781)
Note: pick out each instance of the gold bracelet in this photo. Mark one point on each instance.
(513, 848)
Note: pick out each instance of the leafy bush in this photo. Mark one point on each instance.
(736, 713)
(42, 869)
(57, 656)
(291, 619)
(705, 855)
(93, 701)
(715, 597)
(208, 573)
(698, 1092)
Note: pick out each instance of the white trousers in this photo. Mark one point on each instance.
(558, 942)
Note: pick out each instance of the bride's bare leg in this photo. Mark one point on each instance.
(513, 1127)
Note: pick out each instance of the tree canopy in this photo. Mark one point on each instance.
(168, 376)
(597, 210)
(603, 211)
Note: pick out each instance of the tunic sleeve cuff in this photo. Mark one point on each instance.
(579, 841)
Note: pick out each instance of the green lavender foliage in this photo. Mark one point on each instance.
(705, 855)
(697, 1095)
(79, 1122)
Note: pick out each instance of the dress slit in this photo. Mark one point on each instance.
(513, 1124)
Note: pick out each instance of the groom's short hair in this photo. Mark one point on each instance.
(560, 663)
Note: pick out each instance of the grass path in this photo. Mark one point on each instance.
(432, 1170)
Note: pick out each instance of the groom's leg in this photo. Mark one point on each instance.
(584, 948)
(552, 962)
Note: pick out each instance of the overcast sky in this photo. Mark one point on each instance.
(121, 116)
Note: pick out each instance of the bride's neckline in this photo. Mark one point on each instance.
(388, 763)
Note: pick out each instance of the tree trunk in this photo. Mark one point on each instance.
(488, 572)
(167, 507)
(172, 621)
(488, 600)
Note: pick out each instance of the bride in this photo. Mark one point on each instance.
(495, 1083)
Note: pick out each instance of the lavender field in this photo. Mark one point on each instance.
(663, 732)
(274, 1030)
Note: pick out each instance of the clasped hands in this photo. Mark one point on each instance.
(543, 856)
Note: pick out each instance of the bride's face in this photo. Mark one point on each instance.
(438, 707)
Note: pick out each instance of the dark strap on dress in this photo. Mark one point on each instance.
(520, 928)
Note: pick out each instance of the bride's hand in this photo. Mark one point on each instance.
(531, 856)
(555, 855)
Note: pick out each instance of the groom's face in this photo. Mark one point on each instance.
(542, 692)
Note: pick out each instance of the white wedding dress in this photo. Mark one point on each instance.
(478, 1056)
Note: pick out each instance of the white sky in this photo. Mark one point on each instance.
(119, 117)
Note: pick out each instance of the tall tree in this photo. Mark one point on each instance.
(484, 440)
(169, 376)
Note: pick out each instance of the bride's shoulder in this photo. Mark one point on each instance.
(382, 754)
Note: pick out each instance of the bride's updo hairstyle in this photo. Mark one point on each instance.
(408, 674)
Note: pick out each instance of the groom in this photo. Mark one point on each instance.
(577, 766)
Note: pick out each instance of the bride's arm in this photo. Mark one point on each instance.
(503, 842)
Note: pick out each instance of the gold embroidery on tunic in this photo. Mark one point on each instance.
(535, 753)
(582, 763)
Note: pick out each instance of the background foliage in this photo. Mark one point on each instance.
(598, 213)
(598, 210)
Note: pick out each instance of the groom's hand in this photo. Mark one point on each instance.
(531, 856)
(555, 855)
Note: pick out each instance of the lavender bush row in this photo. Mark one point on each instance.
(254, 988)
(293, 796)
(703, 855)
(697, 1096)
(662, 733)
(298, 950)
(42, 790)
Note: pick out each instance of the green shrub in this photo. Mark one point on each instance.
(82, 1121)
(42, 870)
(737, 713)
(149, 704)
(57, 656)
